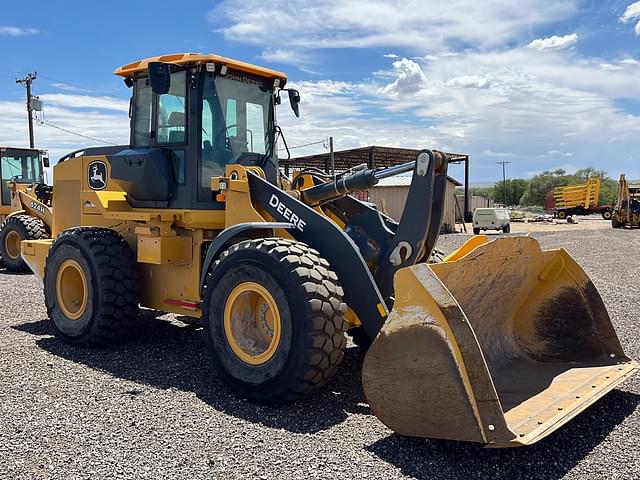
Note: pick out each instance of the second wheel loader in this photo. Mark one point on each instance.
(196, 217)
(25, 202)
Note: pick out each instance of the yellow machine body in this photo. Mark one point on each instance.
(168, 242)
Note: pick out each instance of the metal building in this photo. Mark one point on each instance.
(390, 195)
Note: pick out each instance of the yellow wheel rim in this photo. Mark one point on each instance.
(252, 323)
(12, 244)
(71, 289)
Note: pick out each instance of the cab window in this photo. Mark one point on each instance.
(236, 115)
(142, 114)
(172, 111)
(20, 166)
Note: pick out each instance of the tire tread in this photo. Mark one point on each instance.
(326, 339)
(118, 278)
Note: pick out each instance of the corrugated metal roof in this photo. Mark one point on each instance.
(374, 156)
(405, 181)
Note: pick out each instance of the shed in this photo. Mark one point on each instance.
(390, 195)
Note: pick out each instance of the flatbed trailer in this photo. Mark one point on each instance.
(580, 199)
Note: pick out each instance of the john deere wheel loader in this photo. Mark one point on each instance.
(25, 202)
(195, 217)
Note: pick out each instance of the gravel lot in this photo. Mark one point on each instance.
(154, 408)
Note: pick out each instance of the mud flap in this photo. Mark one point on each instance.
(502, 343)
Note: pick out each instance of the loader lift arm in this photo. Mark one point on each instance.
(368, 285)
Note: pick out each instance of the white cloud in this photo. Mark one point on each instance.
(68, 88)
(17, 31)
(470, 81)
(409, 79)
(554, 42)
(632, 13)
(491, 153)
(85, 101)
(390, 55)
(413, 24)
(558, 153)
(531, 102)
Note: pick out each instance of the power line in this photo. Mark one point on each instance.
(323, 142)
(46, 122)
(308, 144)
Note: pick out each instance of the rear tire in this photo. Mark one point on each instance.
(302, 307)
(562, 214)
(615, 223)
(476, 231)
(91, 286)
(14, 230)
(506, 229)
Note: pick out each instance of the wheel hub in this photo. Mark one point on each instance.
(12, 244)
(252, 323)
(71, 289)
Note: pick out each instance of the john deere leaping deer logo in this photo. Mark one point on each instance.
(97, 175)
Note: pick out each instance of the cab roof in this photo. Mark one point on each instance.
(140, 66)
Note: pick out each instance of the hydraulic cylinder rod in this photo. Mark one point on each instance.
(352, 183)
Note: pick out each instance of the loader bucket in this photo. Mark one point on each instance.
(502, 343)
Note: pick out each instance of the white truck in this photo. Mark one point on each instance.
(491, 219)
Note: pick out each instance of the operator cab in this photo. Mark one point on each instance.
(198, 113)
(22, 166)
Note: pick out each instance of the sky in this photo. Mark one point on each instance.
(541, 84)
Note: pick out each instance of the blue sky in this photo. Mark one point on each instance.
(543, 84)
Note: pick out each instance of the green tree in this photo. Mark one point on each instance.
(541, 184)
(515, 188)
(608, 186)
(484, 192)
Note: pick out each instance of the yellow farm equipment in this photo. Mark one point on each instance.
(580, 199)
(499, 343)
(25, 202)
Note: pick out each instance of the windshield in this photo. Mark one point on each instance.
(237, 113)
(22, 166)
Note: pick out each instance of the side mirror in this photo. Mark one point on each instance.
(159, 77)
(294, 100)
(45, 161)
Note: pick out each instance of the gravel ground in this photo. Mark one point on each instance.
(154, 408)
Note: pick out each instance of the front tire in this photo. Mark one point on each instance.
(91, 286)
(506, 229)
(607, 214)
(273, 319)
(14, 230)
(562, 214)
(476, 231)
(615, 223)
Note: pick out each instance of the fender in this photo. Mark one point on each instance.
(223, 238)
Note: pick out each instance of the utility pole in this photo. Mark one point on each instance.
(333, 159)
(504, 180)
(26, 82)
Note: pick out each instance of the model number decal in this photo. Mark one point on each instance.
(37, 207)
(286, 212)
